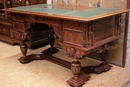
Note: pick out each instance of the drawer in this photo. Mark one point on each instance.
(5, 30)
(18, 26)
(18, 17)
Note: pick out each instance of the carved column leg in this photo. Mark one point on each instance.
(76, 69)
(23, 48)
(104, 66)
(103, 56)
(79, 78)
(52, 49)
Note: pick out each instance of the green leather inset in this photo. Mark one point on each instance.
(48, 8)
(91, 12)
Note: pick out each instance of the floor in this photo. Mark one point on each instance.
(34, 74)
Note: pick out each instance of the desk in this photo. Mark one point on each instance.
(80, 31)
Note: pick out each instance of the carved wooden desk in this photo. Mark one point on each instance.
(80, 31)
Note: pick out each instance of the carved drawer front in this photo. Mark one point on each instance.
(5, 30)
(16, 35)
(73, 37)
(18, 17)
(18, 26)
(41, 19)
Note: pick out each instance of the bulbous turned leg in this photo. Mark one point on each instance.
(76, 69)
(24, 48)
(104, 65)
(79, 78)
(52, 49)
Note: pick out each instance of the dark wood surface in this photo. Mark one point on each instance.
(77, 36)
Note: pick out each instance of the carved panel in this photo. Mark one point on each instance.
(57, 30)
(73, 32)
(18, 26)
(17, 2)
(46, 20)
(5, 30)
(16, 35)
(28, 25)
(73, 37)
(79, 26)
(103, 28)
(18, 17)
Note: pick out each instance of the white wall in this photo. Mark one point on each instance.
(48, 1)
(128, 46)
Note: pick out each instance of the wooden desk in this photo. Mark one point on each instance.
(80, 31)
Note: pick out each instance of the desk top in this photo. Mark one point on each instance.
(73, 13)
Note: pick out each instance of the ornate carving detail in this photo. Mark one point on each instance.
(73, 25)
(4, 31)
(18, 26)
(18, 17)
(46, 20)
(56, 30)
(103, 48)
(103, 28)
(73, 37)
(73, 52)
(17, 36)
(17, 2)
(28, 25)
(90, 34)
(73, 32)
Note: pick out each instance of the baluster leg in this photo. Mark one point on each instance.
(79, 77)
(52, 49)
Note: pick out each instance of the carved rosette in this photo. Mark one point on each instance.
(77, 54)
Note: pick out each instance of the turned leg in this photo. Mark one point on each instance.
(52, 49)
(104, 66)
(76, 69)
(79, 77)
(103, 56)
(23, 48)
(26, 59)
